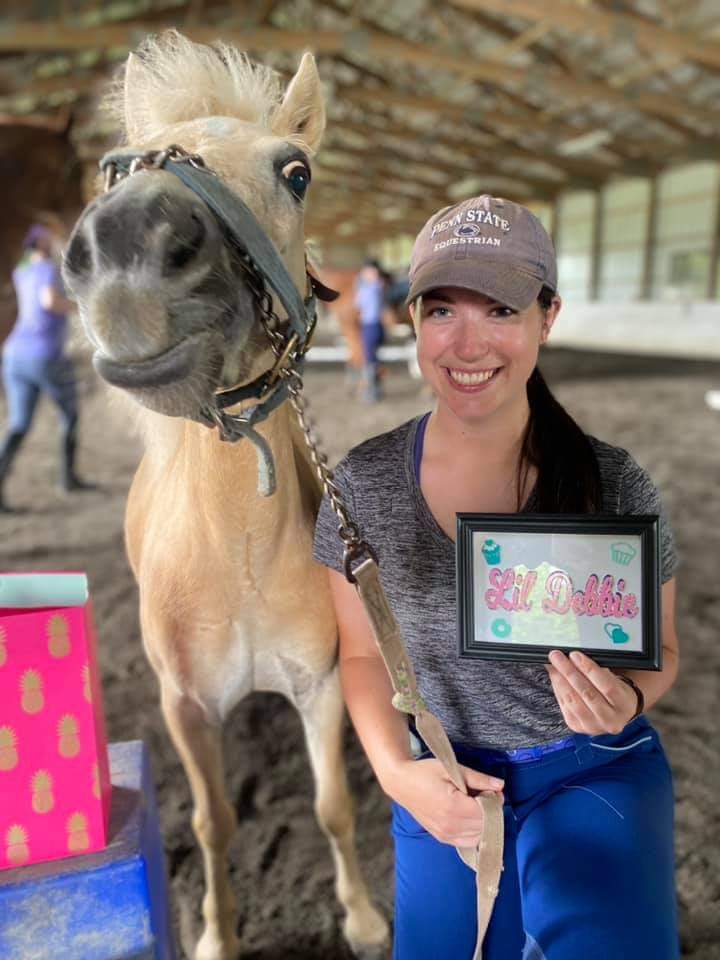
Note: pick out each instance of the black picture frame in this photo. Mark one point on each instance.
(638, 539)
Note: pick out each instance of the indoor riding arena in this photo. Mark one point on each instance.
(601, 117)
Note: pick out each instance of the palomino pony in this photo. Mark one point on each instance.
(230, 601)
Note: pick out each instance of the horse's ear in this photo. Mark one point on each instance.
(302, 111)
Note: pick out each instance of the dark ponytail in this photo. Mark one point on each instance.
(568, 477)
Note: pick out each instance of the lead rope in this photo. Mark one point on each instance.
(486, 859)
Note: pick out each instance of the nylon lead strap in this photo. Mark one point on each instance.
(486, 859)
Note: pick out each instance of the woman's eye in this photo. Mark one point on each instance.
(438, 312)
(297, 176)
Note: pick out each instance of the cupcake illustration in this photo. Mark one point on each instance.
(77, 833)
(8, 749)
(31, 690)
(623, 553)
(68, 740)
(3, 647)
(491, 552)
(17, 850)
(43, 799)
(58, 634)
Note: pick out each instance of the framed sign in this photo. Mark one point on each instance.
(527, 585)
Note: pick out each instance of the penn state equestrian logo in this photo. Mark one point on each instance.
(467, 230)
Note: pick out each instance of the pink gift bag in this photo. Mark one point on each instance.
(54, 775)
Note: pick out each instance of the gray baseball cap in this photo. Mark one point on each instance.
(486, 244)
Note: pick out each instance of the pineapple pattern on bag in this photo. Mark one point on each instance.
(58, 633)
(41, 786)
(54, 788)
(8, 749)
(17, 850)
(32, 698)
(78, 838)
(68, 739)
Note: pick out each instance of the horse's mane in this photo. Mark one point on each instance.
(174, 80)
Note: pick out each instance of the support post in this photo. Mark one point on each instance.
(596, 253)
(712, 287)
(650, 240)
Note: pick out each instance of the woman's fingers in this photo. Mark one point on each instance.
(588, 694)
(478, 781)
(578, 715)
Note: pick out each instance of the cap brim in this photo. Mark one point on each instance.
(503, 282)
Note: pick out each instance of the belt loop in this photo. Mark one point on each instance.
(582, 747)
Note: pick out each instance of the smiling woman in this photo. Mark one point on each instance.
(563, 741)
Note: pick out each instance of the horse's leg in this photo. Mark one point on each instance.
(199, 744)
(323, 715)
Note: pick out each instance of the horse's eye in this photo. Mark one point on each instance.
(297, 175)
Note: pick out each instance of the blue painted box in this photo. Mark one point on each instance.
(110, 905)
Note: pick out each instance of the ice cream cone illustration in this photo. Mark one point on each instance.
(95, 780)
(78, 837)
(8, 749)
(68, 740)
(58, 634)
(87, 693)
(16, 845)
(31, 689)
(43, 799)
(3, 648)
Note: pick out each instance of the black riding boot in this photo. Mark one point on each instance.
(69, 480)
(10, 447)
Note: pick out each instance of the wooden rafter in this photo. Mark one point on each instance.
(605, 25)
(46, 36)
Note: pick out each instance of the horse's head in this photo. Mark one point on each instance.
(161, 289)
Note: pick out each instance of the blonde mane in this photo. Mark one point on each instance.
(176, 80)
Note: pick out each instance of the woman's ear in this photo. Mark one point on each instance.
(549, 318)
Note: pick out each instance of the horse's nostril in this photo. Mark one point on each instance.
(184, 245)
(78, 259)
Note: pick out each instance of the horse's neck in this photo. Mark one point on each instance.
(220, 480)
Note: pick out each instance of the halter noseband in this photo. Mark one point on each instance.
(264, 269)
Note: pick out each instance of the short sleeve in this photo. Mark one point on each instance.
(328, 547)
(638, 494)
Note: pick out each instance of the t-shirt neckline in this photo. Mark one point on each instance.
(413, 459)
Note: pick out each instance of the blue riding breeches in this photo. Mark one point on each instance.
(26, 376)
(588, 866)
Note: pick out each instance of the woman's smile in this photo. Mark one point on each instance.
(473, 380)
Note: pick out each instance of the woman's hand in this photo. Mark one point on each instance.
(592, 698)
(423, 788)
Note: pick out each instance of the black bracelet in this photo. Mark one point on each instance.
(638, 693)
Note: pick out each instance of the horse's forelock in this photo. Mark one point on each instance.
(171, 80)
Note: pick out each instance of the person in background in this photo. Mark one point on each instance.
(33, 359)
(370, 302)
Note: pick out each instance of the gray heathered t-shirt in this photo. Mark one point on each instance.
(481, 702)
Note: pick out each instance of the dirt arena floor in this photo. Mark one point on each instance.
(280, 863)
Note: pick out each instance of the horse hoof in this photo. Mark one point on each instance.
(211, 947)
(372, 940)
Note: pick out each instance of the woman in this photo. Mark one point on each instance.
(588, 866)
(33, 360)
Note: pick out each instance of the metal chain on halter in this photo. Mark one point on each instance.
(154, 160)
(355, 546)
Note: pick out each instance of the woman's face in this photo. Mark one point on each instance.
(476, 353)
